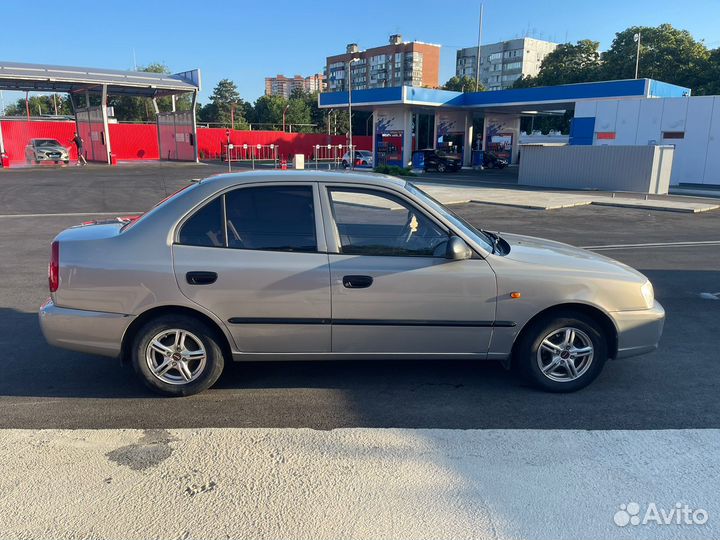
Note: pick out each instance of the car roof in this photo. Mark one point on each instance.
(228, 179)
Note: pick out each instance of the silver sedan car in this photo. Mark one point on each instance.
(305, 265)
(38, 150)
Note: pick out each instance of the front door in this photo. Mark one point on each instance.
(393, 290)
(254, 256)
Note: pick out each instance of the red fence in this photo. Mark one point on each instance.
(140, 141)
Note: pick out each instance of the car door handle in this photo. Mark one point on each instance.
(201, 278)
(357, 282)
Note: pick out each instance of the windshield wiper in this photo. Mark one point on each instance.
(494, 240)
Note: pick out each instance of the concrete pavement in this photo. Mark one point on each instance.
(355, 483)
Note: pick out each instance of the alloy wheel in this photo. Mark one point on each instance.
(565, 354)
(176, 356)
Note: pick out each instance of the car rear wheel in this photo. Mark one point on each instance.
(177, 355)
(562, 353)
(441, 167)
(345, 164)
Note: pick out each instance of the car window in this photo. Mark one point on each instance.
(375, 223)
(280, 218)
(205, 227)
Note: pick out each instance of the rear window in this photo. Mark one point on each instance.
(158, 205)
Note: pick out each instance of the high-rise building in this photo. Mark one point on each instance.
(501, 64)
(397, 64)
(283, 86)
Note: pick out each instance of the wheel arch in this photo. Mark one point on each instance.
(610, 331)
(159, 311)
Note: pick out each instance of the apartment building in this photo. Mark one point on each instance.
(283, 86)
(501, 64)
(398, 63)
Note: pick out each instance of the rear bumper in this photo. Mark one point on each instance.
(92, 332)
(639, 331)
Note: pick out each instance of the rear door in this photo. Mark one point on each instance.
(393, 290)
(255, 257)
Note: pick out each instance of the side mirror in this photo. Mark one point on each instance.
(457, 249)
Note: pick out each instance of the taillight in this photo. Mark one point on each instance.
(54, 267)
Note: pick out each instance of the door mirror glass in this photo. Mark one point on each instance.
(457, 249)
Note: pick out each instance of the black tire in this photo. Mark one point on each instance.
(208, 336)
(66, 162)
(441, 168)
(345, 164)
(37, 162)
(526, 351)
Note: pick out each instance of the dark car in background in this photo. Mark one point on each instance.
(436, 160)
(492, 161)
(38, 150)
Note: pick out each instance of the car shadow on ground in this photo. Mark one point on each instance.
(675, 387)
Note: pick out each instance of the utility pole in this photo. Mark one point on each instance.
(477, 63)
(349, 80)
(636, 38)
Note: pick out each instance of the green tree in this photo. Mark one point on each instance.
(709, 83)
(41, 105)
(666, 54)
(463, 84)
(269, 112)
(139, 109)
(568, 63)
(225, 103)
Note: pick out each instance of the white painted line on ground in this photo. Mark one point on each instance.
(654, 245)
(70, 214)
(355, 483)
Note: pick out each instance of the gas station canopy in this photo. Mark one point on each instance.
(47, 78)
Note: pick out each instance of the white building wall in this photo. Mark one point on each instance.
(626, 128)
(712, 162)
(644, 121)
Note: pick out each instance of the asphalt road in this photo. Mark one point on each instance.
(43, 387)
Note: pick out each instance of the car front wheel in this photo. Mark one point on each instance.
(562, 353)
(441, 167)
(177, 355)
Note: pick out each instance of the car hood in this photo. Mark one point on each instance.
(564, 257)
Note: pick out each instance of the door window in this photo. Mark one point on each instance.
(278, 218)
(375, 223)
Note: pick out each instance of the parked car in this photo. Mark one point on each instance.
(38, 150)
(304, 265)
(363, 158)
(492, 161)
(438, 160)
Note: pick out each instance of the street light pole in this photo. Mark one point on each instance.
(477, 58)
(349, 80)
(284, 112)
(636, 38)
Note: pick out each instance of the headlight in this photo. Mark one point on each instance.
(648, 294)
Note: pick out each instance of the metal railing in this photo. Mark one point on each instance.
(330, 153)
(250, 152)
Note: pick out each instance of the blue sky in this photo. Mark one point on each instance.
(246, 41)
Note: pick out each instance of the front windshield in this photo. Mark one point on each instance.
(480, 237)
(47, 142)
(441, 153)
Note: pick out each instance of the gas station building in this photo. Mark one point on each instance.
(624, 112)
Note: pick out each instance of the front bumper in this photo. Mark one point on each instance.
(43, 157)
(639, 331)
(92, 332)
